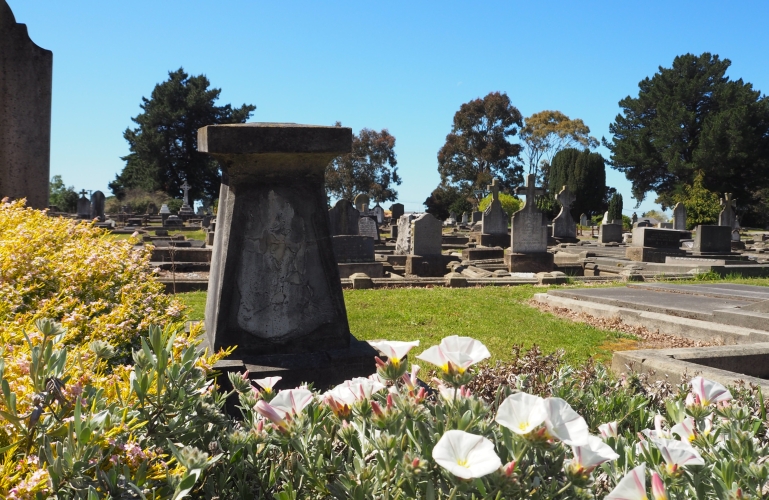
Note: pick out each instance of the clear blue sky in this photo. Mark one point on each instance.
(404, 66)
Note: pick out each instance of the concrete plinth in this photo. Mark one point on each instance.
(495, 240)
(529, 262)
(482, 253)
(274, 288)
(428, 266)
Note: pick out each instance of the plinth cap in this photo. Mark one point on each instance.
(274, 138)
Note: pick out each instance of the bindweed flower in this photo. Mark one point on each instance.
(565, 424)
(395, 351)
(608, 430)
(274, 415)
(589, 456)
(267, 384)
(410, 380)
(686, 430)
(677, 454)
(454, 355)
(522, 413)
(466, 455)
(451, 393)
(706, 392)
(658, 488)
(658, 432)
(631, 487)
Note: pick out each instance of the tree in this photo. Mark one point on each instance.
(369, 168)
(548, 132)
(585, 175)
(656, 214)
(702, 206)
(446, 199)
(478, 148)
(691, 118)
(510, 204)
(615, 207)
(63, 197)
(163, 148)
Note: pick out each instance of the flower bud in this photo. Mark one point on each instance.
(658, 488)
(509, 468)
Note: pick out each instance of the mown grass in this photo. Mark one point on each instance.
(497, 316)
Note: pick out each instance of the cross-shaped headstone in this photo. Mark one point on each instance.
(186, 188)
(531, 191)
(83, 193)
(494, 187)
(566, 198)
(728, 201)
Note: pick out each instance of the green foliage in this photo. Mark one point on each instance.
(585, 175)
(478, 148)
(137, 201)
(445, 199)
(691, 118)
(615, 207)
(702, 206)
(163, 148)
(370, 168)
(510, 204)
(656, 214)
(63, 197)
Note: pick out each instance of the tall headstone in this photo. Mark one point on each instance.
(26, 76)
(403, 243)
(426, 235)
(165, 212)
(476, 216)
(679, 217)
(605, 218)
(83, 206)
(274, 287)
(97, 205)
(361, 203)
(378, 212)
(343, 219)
(186, 211)
(465, 218)
(726, 217)
(528, 234)
(583, 220)
(494, 219)
(396, 210)
(634, 219)
(564, 225)
(367, 227)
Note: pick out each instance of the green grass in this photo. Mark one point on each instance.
(497, 316)
(191, 235)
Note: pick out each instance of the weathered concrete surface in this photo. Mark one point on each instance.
(26, 79)
(274, 285)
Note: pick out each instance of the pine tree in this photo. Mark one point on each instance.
(615, 207)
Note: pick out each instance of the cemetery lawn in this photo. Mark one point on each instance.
(497, 316)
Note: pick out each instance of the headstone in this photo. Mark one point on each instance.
(343, 219)
(378, 212)
(605, 218)
(26, 76)
(656, 238)
(610, 233)
(735, 235)
(564, 225)
(83, 206)
(583, 220)
(453, 215)
(465, 218)
(494, 219)
(643, 223)
(396, 210)
(737, 222)
(186, 211)
(426, 235)
(477, 216)
(97, 205)
(528, 227)
(164, 213)
(726, 217)
(679, 217)
(403, 243)
(634, 218)
(665, 225)
(712, 239)
(361, 203)
(172, 221)
(367, 227)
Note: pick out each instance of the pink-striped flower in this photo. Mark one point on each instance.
(706, 392)
(631, 487)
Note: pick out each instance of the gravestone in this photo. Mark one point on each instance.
(494, 219)
(97, 205)
(643, 223)
(403, 243)
(528, 238)
(652, 244)
(378, 212)
(367, 227)
(726, 217)
(343, 219)
(735, 235)
(164, 213)
(170, 221)
(634, 218)
(396, 210)
(712, 240)
(605, 218)
(583, 220)
(186, 211)
(465, 218)
(26, 76)
(83, 206)
(361, 203)
(477, 216)
(274, 288)
(564, 226)
(425, 258)
(679, 217)
(610, 233)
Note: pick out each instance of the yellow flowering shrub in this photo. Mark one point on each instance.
(88, 399)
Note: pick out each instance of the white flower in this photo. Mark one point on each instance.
(686, 430)
(357, 389)
(707, 392)
(658, 432)
(593, 454)
(457, 352)
(608, 430)
(450, 393)
(677, 453)
(466, 455)
(268, 383)
(564, 423)
(291, 400)
(410, 380)
(394, 349)
(522, 413)
(631, 487)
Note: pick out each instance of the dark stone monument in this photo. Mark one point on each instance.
(343, 219)
(83, 206)
(727, 215)
(97, 205)
(610, 233)
(564, 227)
(274, 288)
(396, 210)
(679, 217)
(26, 76)
(654, 244)
(186, 212)
(425, 258)
(712, 240)
(528, 238)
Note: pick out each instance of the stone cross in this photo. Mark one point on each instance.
(726, 217)
(566, 198)
(564, 225)
(494, 188)
(83, 193)
(186, 188)
(531, 191)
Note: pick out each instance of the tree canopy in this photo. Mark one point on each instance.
(689, 118)
(163, 148)
(615, 207)
(369, 168)
(478, 149)
(445, 199)
(548, 132)
(585, 175)
(702, 206)
(63, 197)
